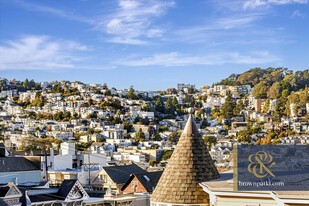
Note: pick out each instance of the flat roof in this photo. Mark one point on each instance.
(225, 184)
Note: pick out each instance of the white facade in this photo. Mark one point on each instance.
(132, 157)
(99, 159)
(60, 162)
(67, 148)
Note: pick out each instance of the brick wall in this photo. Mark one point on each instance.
(138, 188)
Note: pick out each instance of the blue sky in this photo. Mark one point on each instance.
(150, 44)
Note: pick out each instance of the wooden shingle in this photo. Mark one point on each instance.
(189, 165)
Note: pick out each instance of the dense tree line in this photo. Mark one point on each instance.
(284, 85)
(270, 82)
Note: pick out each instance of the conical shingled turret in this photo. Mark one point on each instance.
(189, 165)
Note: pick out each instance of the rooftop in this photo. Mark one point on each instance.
(189, 165)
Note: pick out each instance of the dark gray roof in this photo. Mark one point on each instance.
(148, 179)
(66, 187)
(120, 174)
(45, 197)
(4, 190)
(14, 164)
(2, 150)
(62, 193)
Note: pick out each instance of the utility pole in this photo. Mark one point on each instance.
(46, 166)
(89, 166)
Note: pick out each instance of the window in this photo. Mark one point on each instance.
(103, 177)
(134, 183)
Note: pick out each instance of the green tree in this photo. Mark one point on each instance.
(302, 79)
(144, 107)
(176, 105)
(167, 154)
(200, 114)
(266, 106)
(299, 99)
(238, 108)
(131, 94)
(58, 116)
(189, 100)
(169, 107)
(157, 137)
(274, 91)
(26, 83)
(260, 90)
(251, 77)
(75, 116)
(83, 146)
(159, 106)
(106, 91)
(57, 89)
(128, 126)
(244, 136)
(39, 100)
(90, 131)
(32, 84)
(210, 140)
(140, 135)
(174, 136)
(67, 115)
(269, 138)
(152, 163)
(228, 107)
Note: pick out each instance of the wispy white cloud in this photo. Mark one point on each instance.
(217, 28)
(53, 11)
(297, 13)
(39, 53)
(237, 21)
(175, 59)
(124, 40)
(132, 22)
(252, 4)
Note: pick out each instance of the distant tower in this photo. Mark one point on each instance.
(189, 165)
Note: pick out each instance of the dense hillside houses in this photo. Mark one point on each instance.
(111, 145)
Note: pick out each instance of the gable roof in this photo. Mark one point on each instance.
(120, 174)
(14, 164)
(9, 192)
(65, 187)
(4, 190)
(62, 193)
(189, 165)
(148, 179)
